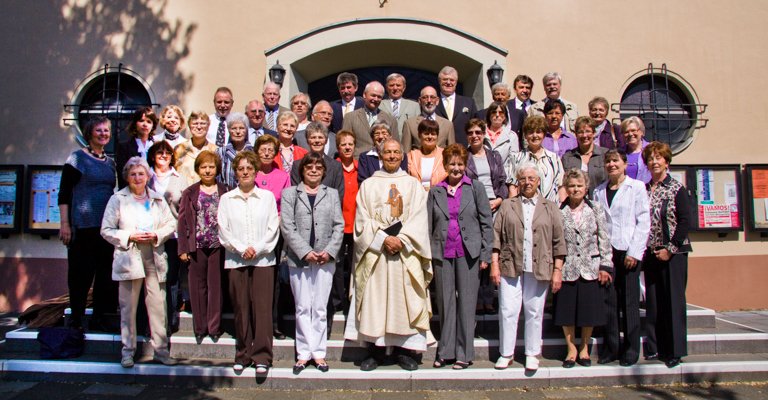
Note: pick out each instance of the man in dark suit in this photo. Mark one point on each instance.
(456, 108)
(255, 112)
(323, 114)
(347, 84)
(360, 121)
(271, 96)
(428, 103)
(523, 86)
(501, 93)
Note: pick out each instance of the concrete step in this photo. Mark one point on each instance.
(346, 376)
(725, 338)
(698, 317)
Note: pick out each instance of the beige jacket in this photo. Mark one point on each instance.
(118, 224)
(548, 240)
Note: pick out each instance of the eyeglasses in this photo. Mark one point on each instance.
(325, 113)
(163, 153)
(425, 97)
(311, 167)
(257, 112)
(267, 150)
(497, 112)
(475, 132)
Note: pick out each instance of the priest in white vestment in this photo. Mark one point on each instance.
(392, 264)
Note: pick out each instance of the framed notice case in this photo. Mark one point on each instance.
(43, 199)
(716, 196)
(757, 195)
(11, 191)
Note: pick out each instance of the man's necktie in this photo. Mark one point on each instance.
(448, 108)
(396, 108)
(221, 132)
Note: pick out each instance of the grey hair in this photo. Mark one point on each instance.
(525, 167)
(633, 120)
(551, 75)
(371, 85)
(502, 85)
(394, 76)
(391, 139)
(235, 117)
(316, 127)
(448, 70)
(136, 161)
(379, 125)
(576, 173)
(287, 114)
(306, 96)
(271, 84)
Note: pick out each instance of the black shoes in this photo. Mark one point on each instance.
(369, 364)
(278, 334)
(652, 356)
(568, 363)
(199, 339)
(584, 362)
(673, 362)
(606, 360)
(407, 362)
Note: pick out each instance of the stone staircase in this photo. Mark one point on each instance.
(719, 350)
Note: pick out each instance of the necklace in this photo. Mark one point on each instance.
(101, 156)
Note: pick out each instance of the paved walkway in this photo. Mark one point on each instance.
(58, 390)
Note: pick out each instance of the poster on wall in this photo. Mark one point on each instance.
(717, 197)
(757, 190)
(10, 198)
(43, 199)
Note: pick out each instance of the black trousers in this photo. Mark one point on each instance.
(339, 299)
(251, 291)
(90, 262)
(622, 305)
(666, 319)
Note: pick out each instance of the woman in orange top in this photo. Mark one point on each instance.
(426, 162)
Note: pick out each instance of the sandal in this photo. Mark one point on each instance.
(462, 364)
(440, 363)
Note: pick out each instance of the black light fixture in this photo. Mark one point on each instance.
(277, 74)
(495, 73)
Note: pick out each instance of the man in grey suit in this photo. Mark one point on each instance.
(427, 103)
(255, 112)
(322, 113)
(360, 121)
(552, 83)
(395, 104)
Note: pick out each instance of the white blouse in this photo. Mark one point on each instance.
(248, 220)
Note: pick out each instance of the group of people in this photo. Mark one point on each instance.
(359, 203)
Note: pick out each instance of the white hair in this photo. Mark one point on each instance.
(526, 166)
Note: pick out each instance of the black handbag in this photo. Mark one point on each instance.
(61, 342)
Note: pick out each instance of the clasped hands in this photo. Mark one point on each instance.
(143, 237)
(392, 245)
(314, 257)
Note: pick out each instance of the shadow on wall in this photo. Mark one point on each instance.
(51, 46)
(28, 281)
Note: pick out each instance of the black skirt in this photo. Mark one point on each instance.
(579, 303)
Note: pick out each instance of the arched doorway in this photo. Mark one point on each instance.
(383, 43)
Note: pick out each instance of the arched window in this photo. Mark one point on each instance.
(112, 91)
(667, 105)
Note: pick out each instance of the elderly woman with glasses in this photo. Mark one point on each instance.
(186, 152)
(498, 133)
(137, 222)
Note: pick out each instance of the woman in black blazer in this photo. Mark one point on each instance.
(461, 232)
(141, 131)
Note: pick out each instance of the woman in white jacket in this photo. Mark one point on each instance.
(137, 222)
(626, 203)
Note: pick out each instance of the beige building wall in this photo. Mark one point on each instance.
(187, 48)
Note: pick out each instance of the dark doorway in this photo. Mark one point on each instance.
(415, 79)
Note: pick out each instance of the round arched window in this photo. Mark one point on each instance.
(667, 105)
(112, 91)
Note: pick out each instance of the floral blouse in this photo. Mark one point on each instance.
(207, 224)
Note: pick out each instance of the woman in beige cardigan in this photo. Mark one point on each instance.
(137, 222)
(426, 162)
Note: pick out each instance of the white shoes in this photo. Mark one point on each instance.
(531, 363)
(503, 362)
(126, 362)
